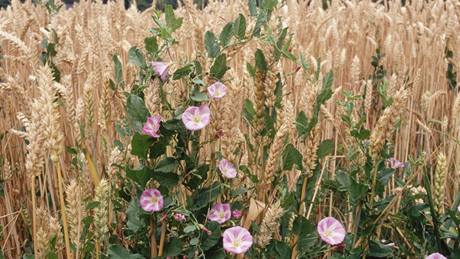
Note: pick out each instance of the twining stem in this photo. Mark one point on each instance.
(63, 212)
(303, 195)
(153, 240)
(162, 237)
(317, 185)
(34, 210)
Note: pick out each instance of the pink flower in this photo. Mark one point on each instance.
(237, 240)
(152, 126)
(458, 208)
(151, 200)
(196, 118)
(436, 256)
(217, 90)
(220, 213)
(331, 231)
(395, 163)
(236, 214)
(161, 70)
(227, 169)
(179, 216)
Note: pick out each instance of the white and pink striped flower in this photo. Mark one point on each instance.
(236, 214)
(217, 90)
(196, 117)
(227, 169)
(152, 126)
(395, 163)
(237, 240)
(220, 213)
(331, 231)
(161, 70)
(436, 256)
(151, 200)
(179, 217)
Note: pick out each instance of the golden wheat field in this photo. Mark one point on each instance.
(244, 129)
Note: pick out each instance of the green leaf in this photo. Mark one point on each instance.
(304, 62)
(361, 133)
(278, 249)
(137, 112)
(261, 63)
(249, 111)
(136, 57)
(262, 19)
(199, 97)
(118, 70)
(167, 165)
(172, 21)
(201, 198)
(189, 229)
(226, 34)
(136, 109)
(291, 156)
(133, 212)
(173, 247)
(92, 204)
(279, 44)
(357, 191)
(140, 145)
(208, 241)
(141, 176)
(239, 27)
(194, 241)
(378, 250)
(269, 5)
(302, 123)
(306, 231)
(198, 175)
(324, 95)
(251, 69)
(119, 252)
(183, 71)
(219, 67)
(325, 148)
(151, 45)
(252, 7)
(211, 44)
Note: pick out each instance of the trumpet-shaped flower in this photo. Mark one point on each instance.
(436, 256)
(151, 200)
(196, 117)
(237, 214)
(227, 169)
(237, 240)
(179, 216)
(220, 213)
(152, 126)
(217, 90)
(395, 163)
(161, 70)
(331, 231)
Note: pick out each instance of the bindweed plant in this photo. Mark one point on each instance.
(195, 188)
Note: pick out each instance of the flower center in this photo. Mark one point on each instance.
(196, 119)
(221, 214)
(236, 243)
(153, 199)
(328, 232)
